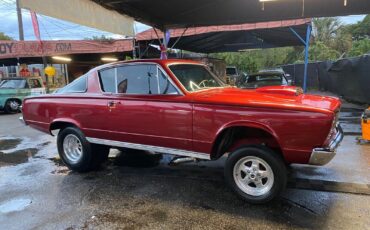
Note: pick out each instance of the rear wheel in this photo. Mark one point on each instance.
(256, 173)
(12, 106)
(77, 153)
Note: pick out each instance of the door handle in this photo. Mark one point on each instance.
(112, 104)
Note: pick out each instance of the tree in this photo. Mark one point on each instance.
(101, 38)
(360, 47)
(361, 29)
(326, 29)
(320, 52)
(5, 37)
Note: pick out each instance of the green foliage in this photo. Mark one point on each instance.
(320, 52)
(331, 40)
(360, 47)
(254, 60)
(5, 37)
(241, 60)
(326, 29)
(101, 38)
(361, 29)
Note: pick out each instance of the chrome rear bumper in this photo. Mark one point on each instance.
(322, 156)
(22, 120)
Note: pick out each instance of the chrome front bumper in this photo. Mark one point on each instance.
(322, 156)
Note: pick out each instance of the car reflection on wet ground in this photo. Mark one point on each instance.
(136, 190)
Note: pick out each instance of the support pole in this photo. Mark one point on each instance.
(20, 22)
(307, 46)
(306, 43)
(164, 45)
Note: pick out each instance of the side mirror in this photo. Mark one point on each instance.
(287, 75)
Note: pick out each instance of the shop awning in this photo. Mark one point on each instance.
(190, 13)
(232, 38)
(21, 49)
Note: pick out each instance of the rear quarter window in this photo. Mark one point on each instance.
(77, 86)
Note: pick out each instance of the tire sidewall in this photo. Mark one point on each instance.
(271, 158)
(8, 108)
(83, 164)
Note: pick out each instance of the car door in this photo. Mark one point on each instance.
(146, 108)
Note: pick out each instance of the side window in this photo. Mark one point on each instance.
(77, 86)
(108, 80)
(34, 83)
(165, 85)
(136, 79)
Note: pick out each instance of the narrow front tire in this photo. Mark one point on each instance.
(256, 173)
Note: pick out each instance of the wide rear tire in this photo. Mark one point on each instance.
(79, 154)
(256, 173)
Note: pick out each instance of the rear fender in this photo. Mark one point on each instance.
(63, 122)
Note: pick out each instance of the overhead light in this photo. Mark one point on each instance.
(109, 59)
(59, 58)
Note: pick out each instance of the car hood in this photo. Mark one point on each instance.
(280, 97)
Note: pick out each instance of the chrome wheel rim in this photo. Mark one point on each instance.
(14, 105)
(72, 148)
(253, 176)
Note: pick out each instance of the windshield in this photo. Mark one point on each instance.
(195, 77)
(13, 84)
(256, 81)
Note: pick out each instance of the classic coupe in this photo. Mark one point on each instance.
(179, 107)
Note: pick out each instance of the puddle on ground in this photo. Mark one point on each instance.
(17, 157)
(57, 161)
(6, 144)
(62, 168)
(14, 205)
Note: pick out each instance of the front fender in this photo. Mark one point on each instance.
(248, 124)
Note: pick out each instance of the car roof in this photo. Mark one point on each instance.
(19, 78)
(158, 61)
(266, 73)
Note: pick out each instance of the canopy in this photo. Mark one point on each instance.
(233, 38)
(189, 13)
(83, 12)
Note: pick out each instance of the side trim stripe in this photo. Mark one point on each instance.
(158, 149)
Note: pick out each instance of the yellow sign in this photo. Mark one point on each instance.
(50, 71)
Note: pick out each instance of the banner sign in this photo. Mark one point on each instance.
(18, 49)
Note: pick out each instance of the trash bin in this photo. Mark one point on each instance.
(365, 124)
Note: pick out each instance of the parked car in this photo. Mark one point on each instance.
(13, 90)
(287, 76)
(261, 79)
(179, 107)
(232, 74)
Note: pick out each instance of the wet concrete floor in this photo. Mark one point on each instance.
(39, 192)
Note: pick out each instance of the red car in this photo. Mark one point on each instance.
(179, 107)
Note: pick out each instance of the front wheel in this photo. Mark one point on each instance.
(12, 106)
(256, 173)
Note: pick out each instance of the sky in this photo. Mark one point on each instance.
(55, 29)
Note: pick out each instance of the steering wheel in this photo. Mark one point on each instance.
(203, 83)
(192, 84)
